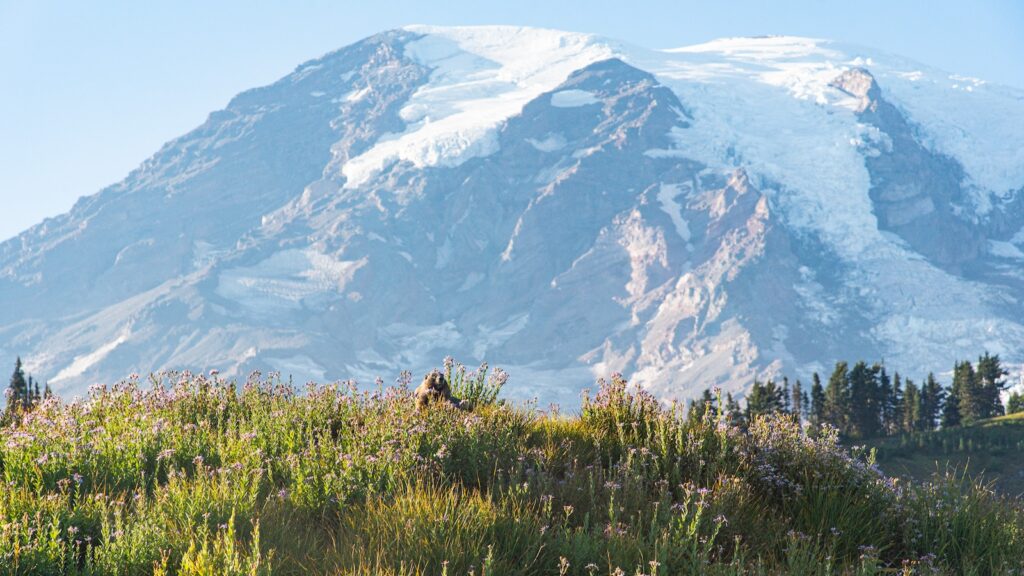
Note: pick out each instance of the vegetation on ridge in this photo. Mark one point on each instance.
(991, 450)
(865, 402)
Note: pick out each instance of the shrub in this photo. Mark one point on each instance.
(476, 388)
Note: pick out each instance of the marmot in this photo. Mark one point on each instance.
(434, 388)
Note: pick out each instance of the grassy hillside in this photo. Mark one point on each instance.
(199, 477)
(991, 451)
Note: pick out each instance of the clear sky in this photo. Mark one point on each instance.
(90, 89)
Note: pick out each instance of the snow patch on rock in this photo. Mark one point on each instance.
(667, 197)
(82, 363)
(1005, 250)
(550, 143)
(573, 98)
(284, 279)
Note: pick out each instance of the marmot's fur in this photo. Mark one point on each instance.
(434, 388)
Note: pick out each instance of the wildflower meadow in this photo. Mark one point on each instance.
(193, 474)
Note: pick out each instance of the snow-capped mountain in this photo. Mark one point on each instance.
(560, 204)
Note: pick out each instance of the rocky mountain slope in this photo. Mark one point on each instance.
(560, 204)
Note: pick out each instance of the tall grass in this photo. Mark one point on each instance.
(193, 475)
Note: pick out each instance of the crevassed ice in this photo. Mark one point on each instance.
(761, 103)
(979, 124)
(481, 77)
(975, 122)
(764, 104)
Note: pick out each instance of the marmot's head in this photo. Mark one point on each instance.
(436, 381)
(433, 388)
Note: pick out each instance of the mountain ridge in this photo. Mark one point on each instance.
(555, 202)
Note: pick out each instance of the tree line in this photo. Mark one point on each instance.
(864, 401)
(23, 393)
(861, 401)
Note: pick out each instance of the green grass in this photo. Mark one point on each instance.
(991, 451)
(1009, 418)
(197, 476)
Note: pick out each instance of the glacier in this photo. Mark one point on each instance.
(561, 204)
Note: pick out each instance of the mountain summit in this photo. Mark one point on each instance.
(560, 204)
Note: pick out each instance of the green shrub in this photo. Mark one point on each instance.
(475, 388)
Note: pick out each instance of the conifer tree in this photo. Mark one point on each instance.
(1015, 404)
(19, 391)
(912, 413)
(817, 405)
(991, 383)
(885, 415)
(733, 411)
(967, 388)
(932, 396)
(706, 404)
(797, 401)
(864, 400)
(837, 399)
(951, 410)
(896, 400)
(764, 398)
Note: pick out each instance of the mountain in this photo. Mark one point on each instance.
(560, 204)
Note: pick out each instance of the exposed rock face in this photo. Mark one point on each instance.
(555, 203)
(860, 84)
(915, 191)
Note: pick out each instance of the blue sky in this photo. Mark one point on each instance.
(90, 89)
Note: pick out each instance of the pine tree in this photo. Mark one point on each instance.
(896, 403)
(885, 415)
(864, 400)
(966, 387)
(708, 404)
(798, 401)
(991, 383)
(817, 405)
(764, 398)
(837, 399)
(1016, 403)
(951, 410)
(19, 394)
(912, 408)
(733, 411)
(705, 405)
(932, 396)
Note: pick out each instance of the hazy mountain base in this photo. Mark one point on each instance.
(197, 476)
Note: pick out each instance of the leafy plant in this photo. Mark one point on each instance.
(475, 388)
